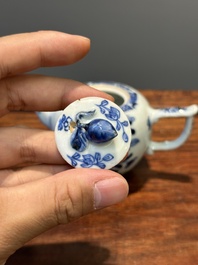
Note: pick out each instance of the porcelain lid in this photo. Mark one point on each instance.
(93, 133)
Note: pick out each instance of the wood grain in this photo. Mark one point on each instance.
(156, 224)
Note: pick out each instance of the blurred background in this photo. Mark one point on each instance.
(143, 43)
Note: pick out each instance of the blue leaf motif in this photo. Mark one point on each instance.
(60, 125)
(125, 123)
(134, 141)
(133, 97)
(125, 137)
(63, 119)
(73, 161)
(108, 157)
(76, 155)
(118, 126)
(97, 156)
(89, 160)
(126, 108)
(101, 165)
(108, 116)
(104, 103)
(85, 165)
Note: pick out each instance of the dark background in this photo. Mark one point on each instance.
(144, 43)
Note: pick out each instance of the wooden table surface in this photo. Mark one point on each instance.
(156, 224)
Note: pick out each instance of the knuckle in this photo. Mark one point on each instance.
(68, 202)
(4, 70)
(27, 152)
(13, 98)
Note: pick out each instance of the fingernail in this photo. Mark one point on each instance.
(109, 191)
(83, 37)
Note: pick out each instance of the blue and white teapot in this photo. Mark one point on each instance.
(96, 133)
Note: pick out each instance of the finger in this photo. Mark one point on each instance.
(25, 52)
(23, 145)
(30, 209)
(10, 177)
(33, 92)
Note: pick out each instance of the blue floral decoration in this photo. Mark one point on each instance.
(89, 160)
(113, 114)
(84, 133)
(97, 131)
(64, 123)
(132, 102)
(172, 109)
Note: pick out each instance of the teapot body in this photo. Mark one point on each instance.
(137, 110)
(137, 118)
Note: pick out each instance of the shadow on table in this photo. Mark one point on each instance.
(78, 253)
(138, 177)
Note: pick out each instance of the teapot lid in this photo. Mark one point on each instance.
(93, 132)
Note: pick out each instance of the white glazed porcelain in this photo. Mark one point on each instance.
(90, 133)
(136, 110)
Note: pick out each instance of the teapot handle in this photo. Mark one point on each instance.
(172, 112)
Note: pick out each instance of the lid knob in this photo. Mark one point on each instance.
(93, 133)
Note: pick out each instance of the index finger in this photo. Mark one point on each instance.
(27, 51)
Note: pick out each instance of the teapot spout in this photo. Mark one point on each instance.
(49, 118)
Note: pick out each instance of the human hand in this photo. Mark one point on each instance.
(48, 192)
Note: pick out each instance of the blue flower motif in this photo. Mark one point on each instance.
(113, 114)
(88, 160)
(64, 123)
(132, 101)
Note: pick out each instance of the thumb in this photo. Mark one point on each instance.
(32, 208)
